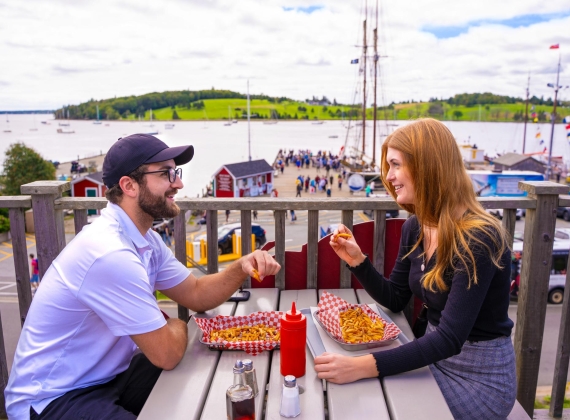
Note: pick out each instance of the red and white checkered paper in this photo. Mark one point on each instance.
(220, 322)
(330, 307)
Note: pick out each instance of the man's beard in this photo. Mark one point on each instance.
(157, 206)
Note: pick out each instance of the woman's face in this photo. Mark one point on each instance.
(399, 177)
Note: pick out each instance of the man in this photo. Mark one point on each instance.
(96, 306)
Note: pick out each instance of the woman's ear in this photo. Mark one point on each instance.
(129, 186)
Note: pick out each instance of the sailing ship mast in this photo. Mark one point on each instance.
(526, 113)
(375, 88)
(364, 47)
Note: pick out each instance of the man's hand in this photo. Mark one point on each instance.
(346, 248)
(260, 262)
(341, 369)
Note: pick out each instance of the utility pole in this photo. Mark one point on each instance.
(526, 113)
(248, 118)
(553, 118)
(364, 93)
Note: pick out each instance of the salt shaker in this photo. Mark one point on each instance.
(250, 376)
(240, 403)
(290, 403)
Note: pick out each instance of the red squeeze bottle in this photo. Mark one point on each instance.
(293, 341)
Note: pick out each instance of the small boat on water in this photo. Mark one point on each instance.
(65, 130)
(318, 122)
(169, 126)
(152, 133)
(333, 137)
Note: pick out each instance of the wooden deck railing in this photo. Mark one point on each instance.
(45, 197)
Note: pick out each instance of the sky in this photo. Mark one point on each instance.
(61, 52)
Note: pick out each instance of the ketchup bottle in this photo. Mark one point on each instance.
(293, 341)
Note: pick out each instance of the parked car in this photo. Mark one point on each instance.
(225, 233)
(563, 212)
(498, 213)
(558, 268)
(389, 213)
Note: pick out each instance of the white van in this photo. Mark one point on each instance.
(557, 269)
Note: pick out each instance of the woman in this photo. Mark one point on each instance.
(454, 257)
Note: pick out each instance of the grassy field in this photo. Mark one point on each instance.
(222, 109)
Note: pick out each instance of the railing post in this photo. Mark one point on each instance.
(509, 221)
(535, 274)
(48, 222)
(212, 240)
(347, 220)
(79, 219)
(19, 250)
(562, 354)
(246, 239)
(280, 247)
(180, 254)
(379, 240)
(312, 248)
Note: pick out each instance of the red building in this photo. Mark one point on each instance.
(244, 179)
(90, 185)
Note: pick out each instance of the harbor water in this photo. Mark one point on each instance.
(217, 144)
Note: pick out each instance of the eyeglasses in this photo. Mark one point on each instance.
(172, 173)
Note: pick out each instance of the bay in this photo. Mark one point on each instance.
(216, 144)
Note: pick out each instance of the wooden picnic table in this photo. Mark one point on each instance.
(196, 388)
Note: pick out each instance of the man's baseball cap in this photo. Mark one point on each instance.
(130, 152)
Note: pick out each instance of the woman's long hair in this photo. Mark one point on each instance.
(442, 188)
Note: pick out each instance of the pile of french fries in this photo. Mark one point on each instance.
(357, 327)
(246, 333)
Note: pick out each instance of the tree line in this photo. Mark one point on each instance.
(124, 107)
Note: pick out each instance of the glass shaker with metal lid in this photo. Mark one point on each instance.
(240, 402)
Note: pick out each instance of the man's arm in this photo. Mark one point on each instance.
(212, 290)
(164, 347)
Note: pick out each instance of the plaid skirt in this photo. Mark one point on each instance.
(480, 382)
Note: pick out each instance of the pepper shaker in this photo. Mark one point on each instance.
(250, 376)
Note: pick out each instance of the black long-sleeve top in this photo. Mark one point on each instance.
(478, 313)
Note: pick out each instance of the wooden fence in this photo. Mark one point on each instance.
(45, 197)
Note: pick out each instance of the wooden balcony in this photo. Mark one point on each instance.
(45, 197)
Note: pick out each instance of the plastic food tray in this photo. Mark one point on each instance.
(355, 347)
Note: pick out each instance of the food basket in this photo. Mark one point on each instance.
(220, 322)
(328, 317)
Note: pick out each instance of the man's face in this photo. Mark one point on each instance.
(157, 193)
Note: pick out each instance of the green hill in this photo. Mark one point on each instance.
(222, 105)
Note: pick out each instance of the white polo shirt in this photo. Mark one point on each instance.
(97, 293)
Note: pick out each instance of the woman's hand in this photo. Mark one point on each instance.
(341, 369)
(346, 248)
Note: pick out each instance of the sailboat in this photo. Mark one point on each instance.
(272, 116)
(360, 166)
(7, 124)
(229, 117)
(152, 132)
(97, 121)
(65, 124)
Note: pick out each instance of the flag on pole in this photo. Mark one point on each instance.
(355, 61)
(555, 46)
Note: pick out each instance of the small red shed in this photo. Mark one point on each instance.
(244, 179)
(90, 185)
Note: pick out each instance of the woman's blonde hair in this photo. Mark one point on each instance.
(442, 188)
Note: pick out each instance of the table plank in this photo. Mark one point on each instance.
(312, 400)
(215, 406)
(359, 399)
(179, 394)
(420, 384)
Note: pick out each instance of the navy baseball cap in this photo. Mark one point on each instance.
(130, 152)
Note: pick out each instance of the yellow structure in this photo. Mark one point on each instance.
(202, 258)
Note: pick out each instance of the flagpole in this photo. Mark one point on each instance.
(525, 113)
(553, 120)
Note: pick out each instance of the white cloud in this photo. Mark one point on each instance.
(64, 51)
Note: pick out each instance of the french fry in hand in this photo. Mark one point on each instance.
(256, 275)
(343, 235)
